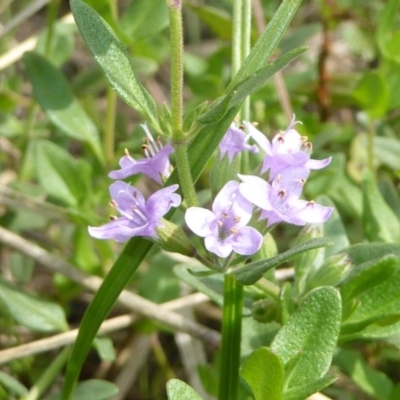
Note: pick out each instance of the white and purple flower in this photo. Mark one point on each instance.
(287, 149)
(138, 217)
(234, 142)
(280, 201)
(156, 165)
(224, 228)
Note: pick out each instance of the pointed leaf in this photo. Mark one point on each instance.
(29, 311)
(310, 337)
(264, 373)
(380, 222)
(120, 274)
(12, 385)
(179, 390)
(256, 81)
(54, 94)
(252, 272)
(113, 59)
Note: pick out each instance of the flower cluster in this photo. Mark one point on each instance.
(287, 162)
(287, 165)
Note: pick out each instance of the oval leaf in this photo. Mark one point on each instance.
(179, 390)
(308, 340)
(264, 373)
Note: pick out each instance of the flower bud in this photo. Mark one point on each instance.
(266, 310)
(303, 262)
(331, 273)
(172, 238)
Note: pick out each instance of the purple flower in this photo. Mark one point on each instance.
(138, 216)
(279, 201)
(224, 227)
(287, 149)
(156, 164)
(234, 142)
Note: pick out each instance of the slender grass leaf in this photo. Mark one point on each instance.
(93, 389)
(53, 92)
(120, 274)
(265, 374)
(179, 390)
(309, 338)
(268, 41)
(216, 110)
(12, 385)
(29, 311)
(256, 81)
(380, 222)
(252, 272)
(113, 59)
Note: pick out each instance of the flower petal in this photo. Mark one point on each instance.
(247, 241)
(221, 249)
(200, 221)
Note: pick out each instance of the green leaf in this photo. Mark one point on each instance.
(54, 94)
(302, 392)
(386, 26)
(246, 87)
(29, 311)
(179, 390)
(372, 94)
(252, 272)
(113, 59)
(363, 252)
(212, 286)
(309, 338)
(105, 348)
(380, 304)
(372, 382)
(143, 19)
(61, 176)
(120, 274)
(268, 41)
(387, 151)
(380, 222)
(264, 373)
(363, 279)
(12, 385)
(256, 81)
(93, 389)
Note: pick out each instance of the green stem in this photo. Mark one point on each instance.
(49, 376)
(185, 176)
(178, 137)
(231, 336)
(176, 33)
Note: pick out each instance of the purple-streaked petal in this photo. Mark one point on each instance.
(247, 241)
(200, 220)
(220, 248)
(119, 230)
(126, 195)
